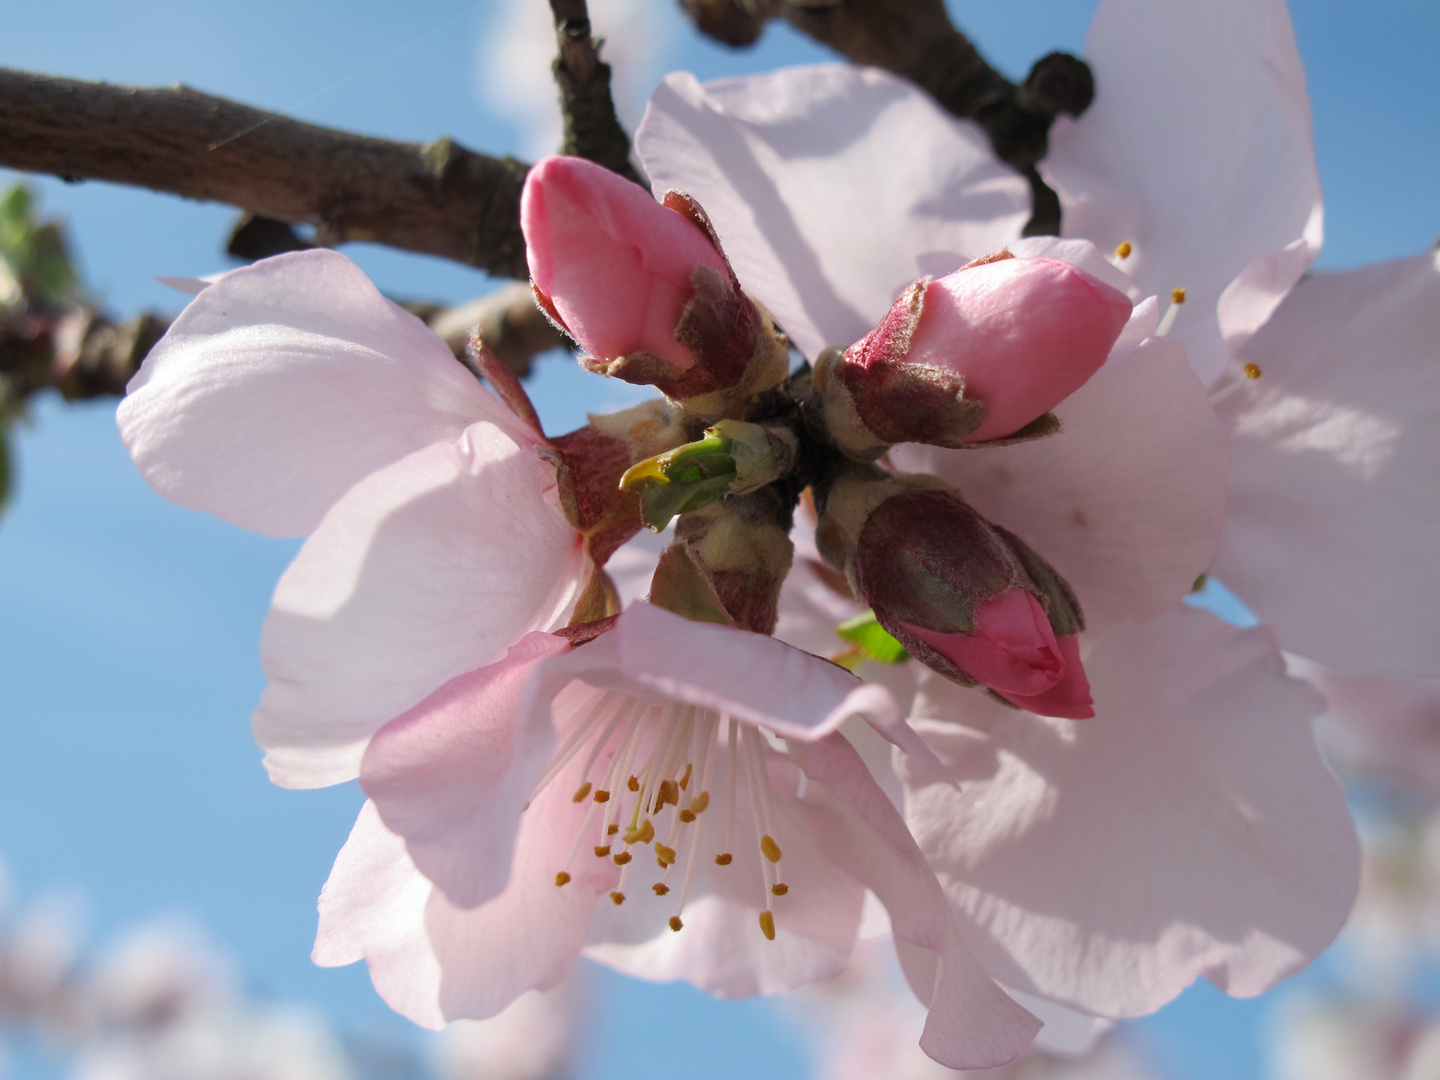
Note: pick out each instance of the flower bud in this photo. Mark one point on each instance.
(980, 354)
(641, 286)
(955, 592)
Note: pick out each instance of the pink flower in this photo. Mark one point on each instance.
(630, 797)
(617, 266)
(291, 398)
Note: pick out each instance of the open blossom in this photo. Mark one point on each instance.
(292, 398)
(632, 797)
(1103, 500)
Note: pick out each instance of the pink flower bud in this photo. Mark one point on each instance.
(1070, 697)
(1017, 336)
(616, 266)
(1012, 650)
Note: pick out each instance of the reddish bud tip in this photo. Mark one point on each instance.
(1012, 651)
(1070, 697)
(1025, 334)
(615, 264)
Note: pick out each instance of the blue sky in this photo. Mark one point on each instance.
(129, 628)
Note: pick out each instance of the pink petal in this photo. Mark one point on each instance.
(1126, 501)
(972, 1024)
(1070, 696)
(616, 264)
(1190, 829)
(427, 569)
(720, 947)
(284, 383)
(1198, 152)
(433, 962)
(1013, 650)
(1334, 510)
(827, 184)
(453, 774)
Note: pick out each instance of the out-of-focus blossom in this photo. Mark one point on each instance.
(534, 1039)
(292, 398)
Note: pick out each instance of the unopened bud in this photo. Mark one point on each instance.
(981, 354)
(954, 591)
(642, 286)
(734, 458)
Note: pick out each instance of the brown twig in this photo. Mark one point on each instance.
(916, 39)
(592, 130)
(438, 198)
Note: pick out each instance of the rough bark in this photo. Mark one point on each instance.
(592, 130)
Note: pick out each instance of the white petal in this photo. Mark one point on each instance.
(427, 569)
(1189, 829)
(1334, 509)
(1127, 501)
(285, 382)
(1198, 152)
(828, 186)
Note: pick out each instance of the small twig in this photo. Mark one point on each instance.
(438, 198)
(916, 39)
(592, 130)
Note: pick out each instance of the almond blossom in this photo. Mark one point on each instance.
(1222, 248)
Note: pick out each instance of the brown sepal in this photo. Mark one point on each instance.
(598, 600)
(994, 257)
(581, 633)
(640, 368)
(503, 381)
(589, 465)
(545, 304)
(688, 208)
(681, 585)
(721, 327)
(1043, 425)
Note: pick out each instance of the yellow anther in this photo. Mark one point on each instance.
(700, 802)
(660, 888)
(724, 860)
(622, 858)
(1177, 296)
(779, 888)
(665, 855)
(640, 834)
(769, 848)
(562, 878)
(767, 925)
(618, 897)
(601, 852)
(1124, 250)
(675, 923)
(580, 792)
(1252, 371)
(687, 816)
(685, 780)
(602, 795)
(669, 793)
(633, 783)
(612, 830)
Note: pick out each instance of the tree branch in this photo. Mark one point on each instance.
(916, 39)
(438, 198)
(592, 130)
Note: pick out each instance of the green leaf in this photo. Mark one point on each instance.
(866, 633)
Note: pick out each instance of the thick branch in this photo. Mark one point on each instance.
(437, 198)
(916, 39)
(592, 130)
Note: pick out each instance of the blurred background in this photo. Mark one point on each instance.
(130, 789)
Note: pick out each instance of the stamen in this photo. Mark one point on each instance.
(618, 897)
(1167, 321)
(611, 830)
(724, 859)
(622, 858)
(665, 855)
(780, 888)
(602, 850)
(767, 924)
(757, 814)
(1248, 373)
(562, 878)
(675, 923)
(732, 734)
(581, 792)
(685, 780)
(1124, 250)
(574, 741)
(769, 848)
(707, 734)
(660, 888)
(633, 783)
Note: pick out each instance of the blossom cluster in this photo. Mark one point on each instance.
(914, 658)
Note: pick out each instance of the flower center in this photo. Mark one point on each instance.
(667, 778)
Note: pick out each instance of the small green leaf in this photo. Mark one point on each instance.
(866, 633)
